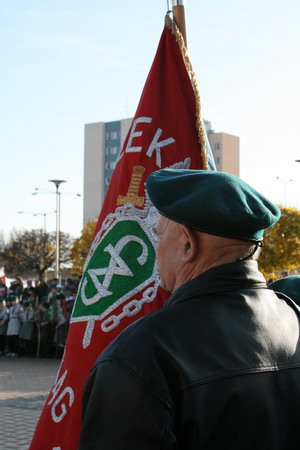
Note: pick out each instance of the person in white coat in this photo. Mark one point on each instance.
(14, 326)
(3, 325)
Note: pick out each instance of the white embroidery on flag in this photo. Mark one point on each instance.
(66, 391)
(156, 146)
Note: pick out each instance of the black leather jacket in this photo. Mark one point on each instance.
(217, 368)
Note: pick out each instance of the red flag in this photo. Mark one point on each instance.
(120, 281)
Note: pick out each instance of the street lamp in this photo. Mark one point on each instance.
(57, 183)
(284, 189)
(38, 214)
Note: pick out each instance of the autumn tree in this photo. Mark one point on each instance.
(82, 246)
(281, 245)
(33, 252)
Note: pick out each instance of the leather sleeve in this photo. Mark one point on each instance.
(119, 413)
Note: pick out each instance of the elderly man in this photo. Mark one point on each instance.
(219, 366)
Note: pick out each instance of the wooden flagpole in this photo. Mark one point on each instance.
(179, 17)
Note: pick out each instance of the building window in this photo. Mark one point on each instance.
(107, 180)
(217, 146)
(110, 165)
(112, 150)
(217, 160)
(113, 135)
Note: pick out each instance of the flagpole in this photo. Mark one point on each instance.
(179, 17)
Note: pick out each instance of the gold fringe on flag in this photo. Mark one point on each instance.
(201, 134)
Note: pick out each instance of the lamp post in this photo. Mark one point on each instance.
(38, 214)
(284, 189)
(57, 183)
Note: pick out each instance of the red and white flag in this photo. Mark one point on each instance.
(120, 282)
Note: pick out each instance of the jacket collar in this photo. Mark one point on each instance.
(227, 277)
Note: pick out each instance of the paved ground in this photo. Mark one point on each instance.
(24, 386)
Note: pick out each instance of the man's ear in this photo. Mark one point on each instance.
(190, 243)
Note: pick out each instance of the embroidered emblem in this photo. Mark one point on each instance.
(121, 267)
(114, 270)
(121, 264)
(133, 190)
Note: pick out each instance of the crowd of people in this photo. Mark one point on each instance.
(34, 319)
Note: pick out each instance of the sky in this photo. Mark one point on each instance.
(67, 63)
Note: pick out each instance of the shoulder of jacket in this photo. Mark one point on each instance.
(144, 332)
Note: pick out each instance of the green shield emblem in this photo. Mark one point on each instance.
(120, 266)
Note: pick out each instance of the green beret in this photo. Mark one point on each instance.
(213, 202)
(289, 286)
